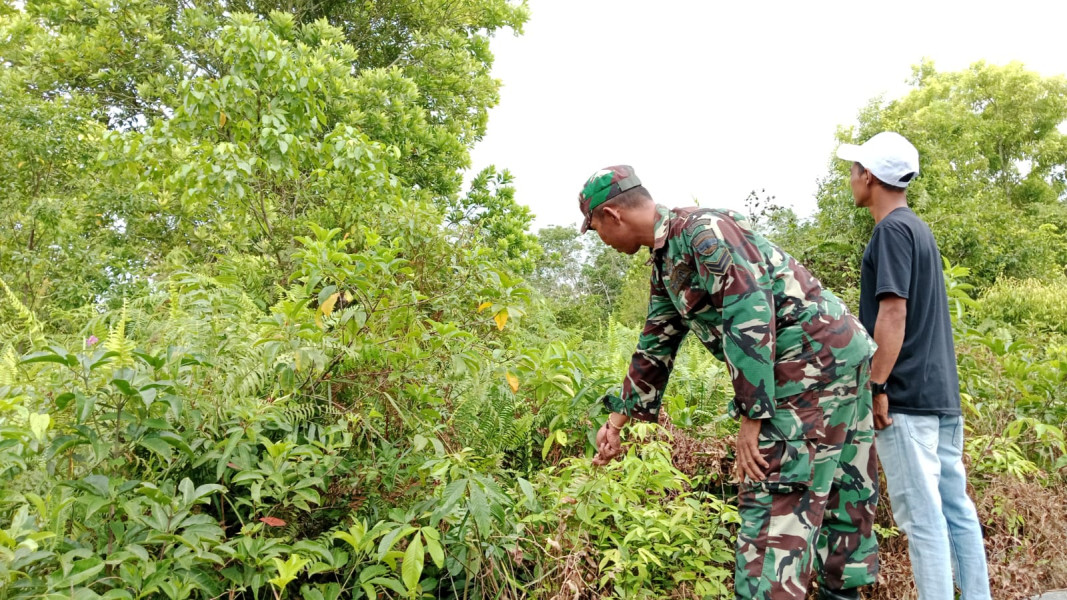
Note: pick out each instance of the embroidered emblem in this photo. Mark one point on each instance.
(718, 262)
(680, 277)
(705, 242)
(713, 253)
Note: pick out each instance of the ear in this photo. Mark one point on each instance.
(613, 213)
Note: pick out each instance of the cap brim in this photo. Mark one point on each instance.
(584, 227)
(850, 152)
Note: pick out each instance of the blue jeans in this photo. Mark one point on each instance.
(922, 458)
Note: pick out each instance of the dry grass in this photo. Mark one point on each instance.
(1025, 527)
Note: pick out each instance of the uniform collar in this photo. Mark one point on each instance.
(662, 226)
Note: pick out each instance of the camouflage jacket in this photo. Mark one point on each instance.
(751, 304)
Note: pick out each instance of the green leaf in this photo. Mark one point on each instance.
(39, 357)
(411, 570)
(479, 508)
(561, 437)
(453, 493)
(390, 583)
(437, 553)
(175, 440)
(63, 400)
(156, 445)
(390, 540)
(287, 570)
(231, 443)
(93, 484)
(547, 447)
(124, 386)
(84, 407)
(83, 571)
(39, 424)
(528, 492)
(65, 442)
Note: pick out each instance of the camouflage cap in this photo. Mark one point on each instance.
(604, 185)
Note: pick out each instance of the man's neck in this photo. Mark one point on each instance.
(884, 204)
(646, 224)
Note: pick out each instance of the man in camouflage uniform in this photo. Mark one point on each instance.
(799, 362)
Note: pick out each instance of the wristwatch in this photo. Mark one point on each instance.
(877, 388)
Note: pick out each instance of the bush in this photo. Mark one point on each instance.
(1030, 304)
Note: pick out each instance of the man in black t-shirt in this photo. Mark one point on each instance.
(904, 306)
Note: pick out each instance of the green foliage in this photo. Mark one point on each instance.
(255, 341)
(647, 533)
(1032, 305)
(490, 213)
(991, 183)
(584, 280)
(1012, 390)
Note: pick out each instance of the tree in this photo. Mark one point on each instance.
(205, 132)
(132, 56)
(55, 245)
(488, 212)
(582, 278)
(992, 184)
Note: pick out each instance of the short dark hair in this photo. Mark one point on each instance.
(890, 187)
(628, 199)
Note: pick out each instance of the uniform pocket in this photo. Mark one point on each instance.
(789, 442)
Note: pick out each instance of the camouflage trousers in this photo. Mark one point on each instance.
(816, 505)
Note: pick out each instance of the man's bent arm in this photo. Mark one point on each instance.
(889, 335)
(651, 365)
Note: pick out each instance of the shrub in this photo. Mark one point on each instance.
(1030, 304)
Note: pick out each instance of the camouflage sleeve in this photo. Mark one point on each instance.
(738, 280)
(650, 367)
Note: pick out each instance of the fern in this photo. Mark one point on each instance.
(9, 364)
(118, 342)
(465, 416)
(174, 308)
(30, 325)
(301, 411)
(486, 419)
(249, 310)
(519, 433)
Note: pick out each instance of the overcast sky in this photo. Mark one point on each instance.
(709, 100)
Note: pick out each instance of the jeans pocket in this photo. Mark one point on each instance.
(923, 430)
(957, 435)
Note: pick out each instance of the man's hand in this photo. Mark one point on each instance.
(881, 412)
(749, 461)
(608, 443)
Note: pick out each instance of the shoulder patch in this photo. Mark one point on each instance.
(718, 265)
(713, 253)
(705, 243)
(696, 219)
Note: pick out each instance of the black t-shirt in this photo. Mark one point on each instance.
(902, 259)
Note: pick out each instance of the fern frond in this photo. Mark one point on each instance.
(9, 364)
(118, 342)
(29, 321)
(174, 310)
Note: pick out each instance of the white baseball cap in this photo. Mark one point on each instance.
(888, 155)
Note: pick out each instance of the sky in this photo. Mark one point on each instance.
(710, 100)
